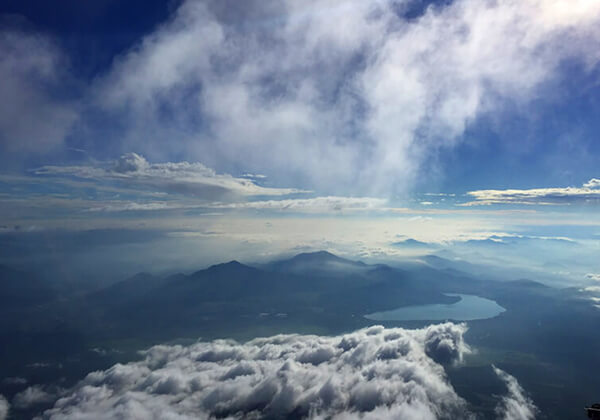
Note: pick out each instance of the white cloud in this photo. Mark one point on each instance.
(544, 196)
(33, 116)
(374, 373)
(4, 408)
(340, 94)
(592, 183)
(313, 205)
(134, 206)
(194, 179)
(593, 276)
(515, 405)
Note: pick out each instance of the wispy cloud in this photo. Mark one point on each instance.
(588, 193)
(515, 405)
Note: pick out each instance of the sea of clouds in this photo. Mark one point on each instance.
(372, 373)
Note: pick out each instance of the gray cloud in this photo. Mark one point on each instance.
(33, 395)
(515, 405)
(589, 193)
(4, 408)
(371, 373)
(14, 380)
(34, 116)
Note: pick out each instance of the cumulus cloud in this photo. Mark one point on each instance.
(4, 408)
(592, 183)
(515, 405)
(339, 93)
(34, 114)
(194, 179)
(373, 373)
(589, 193)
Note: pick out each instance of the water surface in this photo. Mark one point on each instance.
(468, 308)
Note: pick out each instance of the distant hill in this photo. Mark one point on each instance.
(321, 263)
(414, 244)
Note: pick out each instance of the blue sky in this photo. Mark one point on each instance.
(239, 122)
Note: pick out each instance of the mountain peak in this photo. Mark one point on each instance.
(227, 266)
(412, 243)
(319, 262)
(317, 256)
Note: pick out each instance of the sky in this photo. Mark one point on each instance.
(170, 135)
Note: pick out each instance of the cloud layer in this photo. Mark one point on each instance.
(371, 373)
(192, 179)
(588, 193)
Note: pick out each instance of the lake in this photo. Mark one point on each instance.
(468, 308)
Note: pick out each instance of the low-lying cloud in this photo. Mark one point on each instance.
(589, 192)
(515, 405)
(372, 373)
